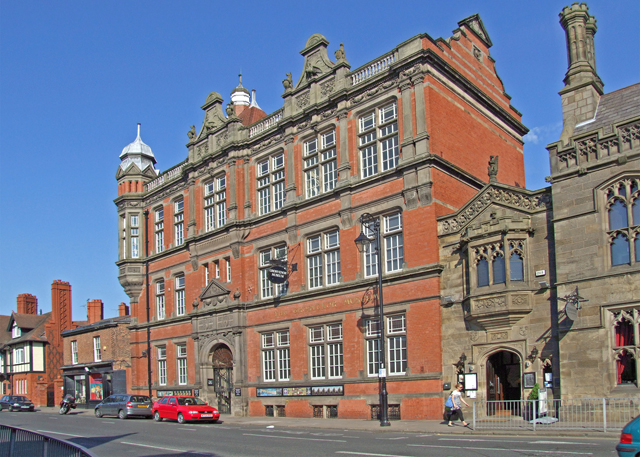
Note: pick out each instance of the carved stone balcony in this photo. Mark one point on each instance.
(498, 311)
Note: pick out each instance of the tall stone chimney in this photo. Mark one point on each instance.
(27, 304)
(95, 311)
(582, 85)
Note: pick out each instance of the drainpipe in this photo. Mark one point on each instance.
(146, 274)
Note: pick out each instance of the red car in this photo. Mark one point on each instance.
(184, 409)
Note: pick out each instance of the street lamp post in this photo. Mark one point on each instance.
(372, 225)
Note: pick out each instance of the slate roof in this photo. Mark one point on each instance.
(110, 322)
(5, 336)
(614, 107)
(32, 323)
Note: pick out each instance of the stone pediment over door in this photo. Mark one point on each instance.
(214, 294)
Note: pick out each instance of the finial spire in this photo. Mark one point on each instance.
(138, 129)
(240, 77)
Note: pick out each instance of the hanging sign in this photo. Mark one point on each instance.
(277, 274)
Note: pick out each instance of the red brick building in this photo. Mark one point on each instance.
(405, 138)
(97, 356)
(31, 349)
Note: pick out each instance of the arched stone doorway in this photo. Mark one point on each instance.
(222, 362)
(503, 383)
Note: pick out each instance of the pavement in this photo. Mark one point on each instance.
(431, 427)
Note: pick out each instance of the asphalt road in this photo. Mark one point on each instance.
(141, 437)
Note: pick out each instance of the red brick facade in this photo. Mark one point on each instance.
(451, 115)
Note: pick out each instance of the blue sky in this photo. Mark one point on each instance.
(77, 76)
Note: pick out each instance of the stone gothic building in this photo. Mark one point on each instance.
(246, 285)
(544, 286)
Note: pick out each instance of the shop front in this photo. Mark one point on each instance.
(91, 383)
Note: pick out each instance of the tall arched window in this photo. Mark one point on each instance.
(625, 345)
(516, 267)
(483, 272)
(499, 276)
(623, 218)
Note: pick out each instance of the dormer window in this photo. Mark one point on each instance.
(15, 331)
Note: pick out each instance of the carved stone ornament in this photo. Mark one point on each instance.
(268, 142)
(493, 169)
(477, 53)
(192, 133)
(222, 138)
(371, 92)
(202, 149)
(327, 87)
(302, 100)
(587, 147)
(287, 83)
(629, 133)
(503, 196)
(329, 113)
(340, 55)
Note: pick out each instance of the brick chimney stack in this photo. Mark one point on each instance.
(27, 304)
(123, 310)
(95, 311)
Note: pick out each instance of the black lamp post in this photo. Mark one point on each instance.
(372, 225)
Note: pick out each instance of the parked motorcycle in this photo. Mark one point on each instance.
(67, 403)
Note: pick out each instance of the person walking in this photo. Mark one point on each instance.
(456, 409)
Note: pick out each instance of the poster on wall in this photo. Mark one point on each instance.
(95, 384)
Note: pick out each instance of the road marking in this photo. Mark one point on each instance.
(472, 440)
(396, 438)
(108, 422)
(293, 438)
(166, 448)
(186, 428)
(504, 450)
(561, 442)
(58, 433)
(373, 455)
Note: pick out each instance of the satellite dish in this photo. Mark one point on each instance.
(570, 311)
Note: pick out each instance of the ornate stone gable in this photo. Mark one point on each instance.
(512, 197)
(214, 293)
(475, 23)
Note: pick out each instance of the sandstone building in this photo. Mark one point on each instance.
(542, 286)
(246, 285)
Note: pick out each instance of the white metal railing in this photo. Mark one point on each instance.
(360, 75)
(167, 176)
(266, 124)
(596, 414)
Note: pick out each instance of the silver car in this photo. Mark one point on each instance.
(125, 406)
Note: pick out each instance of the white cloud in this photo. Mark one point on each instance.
(544, 134)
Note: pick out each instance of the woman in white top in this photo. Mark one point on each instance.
(456, 410)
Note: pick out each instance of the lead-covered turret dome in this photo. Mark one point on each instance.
(139, 153)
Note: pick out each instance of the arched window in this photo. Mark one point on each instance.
(624, 345)
(618, 215)
(499, 276)
(483, 272)
(623, 216)
(516, 268)
(620, 250)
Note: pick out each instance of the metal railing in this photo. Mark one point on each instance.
(588, 414)
(20, 442)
